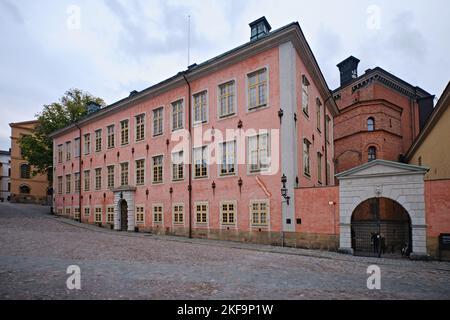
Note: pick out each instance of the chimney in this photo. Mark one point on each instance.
(133, 93)
(348, 70)
(93, 107)
(426, 107)
(259, 28)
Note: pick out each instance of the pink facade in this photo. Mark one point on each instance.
(245, 186)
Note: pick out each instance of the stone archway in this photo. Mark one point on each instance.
(399, 182)
(124, 208)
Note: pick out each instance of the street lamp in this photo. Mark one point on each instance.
(284, 189)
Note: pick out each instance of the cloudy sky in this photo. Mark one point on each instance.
(111, 47)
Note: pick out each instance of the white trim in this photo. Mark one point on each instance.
(247, 151)
(135, 127)
(256, 226)
(171, 168)
(152, 173)
(184, 215)
(236, 166)
(135, 215)
(145, 172)
(207, 163)
(247, 110)
(201, 225)
(200, 124)
(157, 204)
(183, 99)
(120, 133)
(95, 140)
(228, 225)
(219, 118)
(84, 211)
(153, 122)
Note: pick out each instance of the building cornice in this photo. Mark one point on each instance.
(354, 134)
(291, 32)
(380, 75)
(369, 103)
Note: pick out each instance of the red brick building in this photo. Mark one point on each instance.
(380, 115)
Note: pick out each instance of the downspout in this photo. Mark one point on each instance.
(190, 157)
(79, 174)
(326, 132)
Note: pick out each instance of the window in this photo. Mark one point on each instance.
(60, 185)
(200, 162)
(140, 215)
(319, 167)
(68, 212)
(258, 152)
(98, 215)
(124, 174)
(111, 136)
(87, 180)
(157, 214)
(87, 211)
(228, 213)
(371, 124)
(60, 153)
(305, 96)
(257, 89)
(76, 148)
(157, 169)
(306, 167)
(68, 183)
(25, 171)
(110, 215)
(140, 127)
(201, 212)
(177, 115)
(76, 178)
(227, 164)
(226, 99)
(87, 143)
(98, 140)
(259, 213)
(158, 121)
(327, 128)
(68, 151)
(140, 172)
(76, 213)
(178, 214)
(201, 107)
(110, 177)
(124, 132)
(23, 189)
(372, 154)
(177, 166)
(98, 179)
(319, 114)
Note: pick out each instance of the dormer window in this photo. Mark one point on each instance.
(259, 28)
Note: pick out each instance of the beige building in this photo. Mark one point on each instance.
(25, 187)
(430, 149)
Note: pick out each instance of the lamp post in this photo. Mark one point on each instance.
(284, 190)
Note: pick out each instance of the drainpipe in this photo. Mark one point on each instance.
(325, 132)
(79, 174)
(190, 149)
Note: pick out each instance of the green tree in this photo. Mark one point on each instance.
(37, 148)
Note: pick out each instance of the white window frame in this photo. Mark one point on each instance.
(201, 203)
(114, 176)
(68, 148)
(220, 164)
(95, 214)
(178, 224)
(305, 94)
(111, 136)
(95, 178)
(84, 211)
(183, 114)
(259, 225)
(89, 180)
(247, 90)
(98, 140)
(207, 162)
(260, 169)
(154, 205)
(108, 214)
(87, 143)
(153, 169)
(194, 95)
(158, 134)
(121, 173)
(127, 129)
(221, 116)
(173, 164)
(226, 224)
(76, 147)
(143, 124)
(135, 172)
(136, 213)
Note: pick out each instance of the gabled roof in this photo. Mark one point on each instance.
(381, 168)
(291, 32)
(387, 78)
(442, 105)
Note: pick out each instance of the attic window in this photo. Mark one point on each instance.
(259, 28)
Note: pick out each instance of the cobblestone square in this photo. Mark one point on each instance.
(36, 249)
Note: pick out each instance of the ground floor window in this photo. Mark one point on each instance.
(76, 213)
(110, 215)
(60, 211)
(259, 211)
(67, 212)
(228, 212)
(201, 213)
(157, 214)
(98, 215)
(87, 211)
(178, 214)
(140, 215)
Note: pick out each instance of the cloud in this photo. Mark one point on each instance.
(10, 10)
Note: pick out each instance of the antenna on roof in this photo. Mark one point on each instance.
(189, 41)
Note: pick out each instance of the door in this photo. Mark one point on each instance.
(123, 216)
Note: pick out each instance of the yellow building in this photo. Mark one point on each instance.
(25, 187)
(431, 148)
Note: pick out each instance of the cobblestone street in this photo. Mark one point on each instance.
(36, 248)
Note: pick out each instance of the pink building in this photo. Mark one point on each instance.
(256, 113)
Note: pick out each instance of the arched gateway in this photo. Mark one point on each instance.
(382, 196)
(124, 208)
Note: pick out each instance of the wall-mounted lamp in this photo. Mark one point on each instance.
(284, 190)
